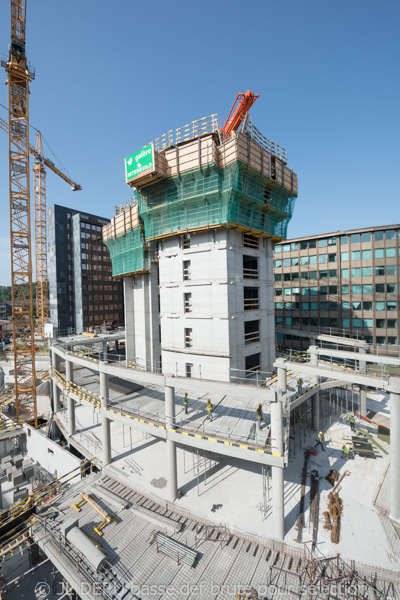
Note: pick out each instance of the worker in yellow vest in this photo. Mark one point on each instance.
(345, 451)
(259, 415)
(319, 441)
(352, 422)
(209, 409)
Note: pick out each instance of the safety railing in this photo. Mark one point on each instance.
(250, 273)
(187, 132)
(271, 147)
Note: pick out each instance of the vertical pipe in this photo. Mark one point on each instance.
(171, 445)
(69, 372)
(277, 472)
(56, 392)
(105, 423)
(316, 411)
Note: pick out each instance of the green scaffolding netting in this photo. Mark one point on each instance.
(234, 196)
(127, 252)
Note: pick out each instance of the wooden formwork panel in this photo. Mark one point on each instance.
(196, 154)
(250, 153)
(120, 224)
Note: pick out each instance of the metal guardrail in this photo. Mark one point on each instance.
(271, 147)
(335, 331)
(186, 132)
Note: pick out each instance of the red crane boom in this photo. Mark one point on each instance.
(233, 121)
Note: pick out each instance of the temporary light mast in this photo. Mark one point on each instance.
(18, 80)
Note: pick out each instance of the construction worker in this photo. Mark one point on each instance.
(352, 422)
(186, 403)
(259, 415)
(299, 385)
(345, 451)
(319, 441)
(209, 409)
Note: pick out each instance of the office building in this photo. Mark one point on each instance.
(83, 293)
(346, 280)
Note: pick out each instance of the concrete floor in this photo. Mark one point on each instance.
(205, 480)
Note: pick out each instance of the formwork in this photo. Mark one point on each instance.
(204, 183)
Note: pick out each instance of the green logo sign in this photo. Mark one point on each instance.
(139, 163)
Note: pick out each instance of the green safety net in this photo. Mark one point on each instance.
(232, 197)
(127, 252)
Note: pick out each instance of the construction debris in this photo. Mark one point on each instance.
(332, 477)
(247, 594)
(328, 522)
(335, 512)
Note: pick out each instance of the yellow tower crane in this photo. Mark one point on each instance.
(18, 77)
(39, 189)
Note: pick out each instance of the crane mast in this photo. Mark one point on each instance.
(18, 80)
(42, 284)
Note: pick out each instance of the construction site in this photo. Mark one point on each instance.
(184, 454)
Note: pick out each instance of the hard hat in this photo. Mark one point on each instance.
(320, 433)
(260, 404)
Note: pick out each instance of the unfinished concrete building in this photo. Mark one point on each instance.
(195, 250)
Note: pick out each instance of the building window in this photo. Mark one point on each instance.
(186, 270)
(356, 272)
(367, 271)
(379, 305)
(356, 305)
(392, 341)
(286, 262)
(366, 254)
(345, 305)
(249, 241)
(278, 277)
(378, 236)
(322, 243)
(392, 323)
(277, 249)
(187, 298)
(345, 256)
(356, 255)
(323, 258)
(286, 247)
(305, 306)
(294, 246)
(313, 305)
(252, 364)
(367, 306)
(390, 234)
(312, 260)
(303, 245)
(312, 244)
(381, 340)
(390, 252)
(188, 369)
(379, 271)
(365, 237)
(332, 241)
(333, 273)
(346, 323)
(390, 269)
(333, 289)
(379, 288)
(379, 253)
(355, 238)
(380, 323)
(251, 332)
(303, 260)
(295, 262)
(332, 257)
(344, 240)
(278, 292)
(188, 337)
(250, 267)
(345, 273)
(392, 305)
(368, 323)
(357, 323)
(356, 289)
(186, 241)
(278, 263)
(250, 298)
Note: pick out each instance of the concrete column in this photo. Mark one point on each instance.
(116, 346)
(105, 351)
(282, 374)
(69, 372)
(55, 361)
(394, 389)
(278, 513)
(105, 423)
(171, 446)
(315, 411)
(313, 355)
(363, 401)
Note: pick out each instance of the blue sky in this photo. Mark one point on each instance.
(112, 76)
